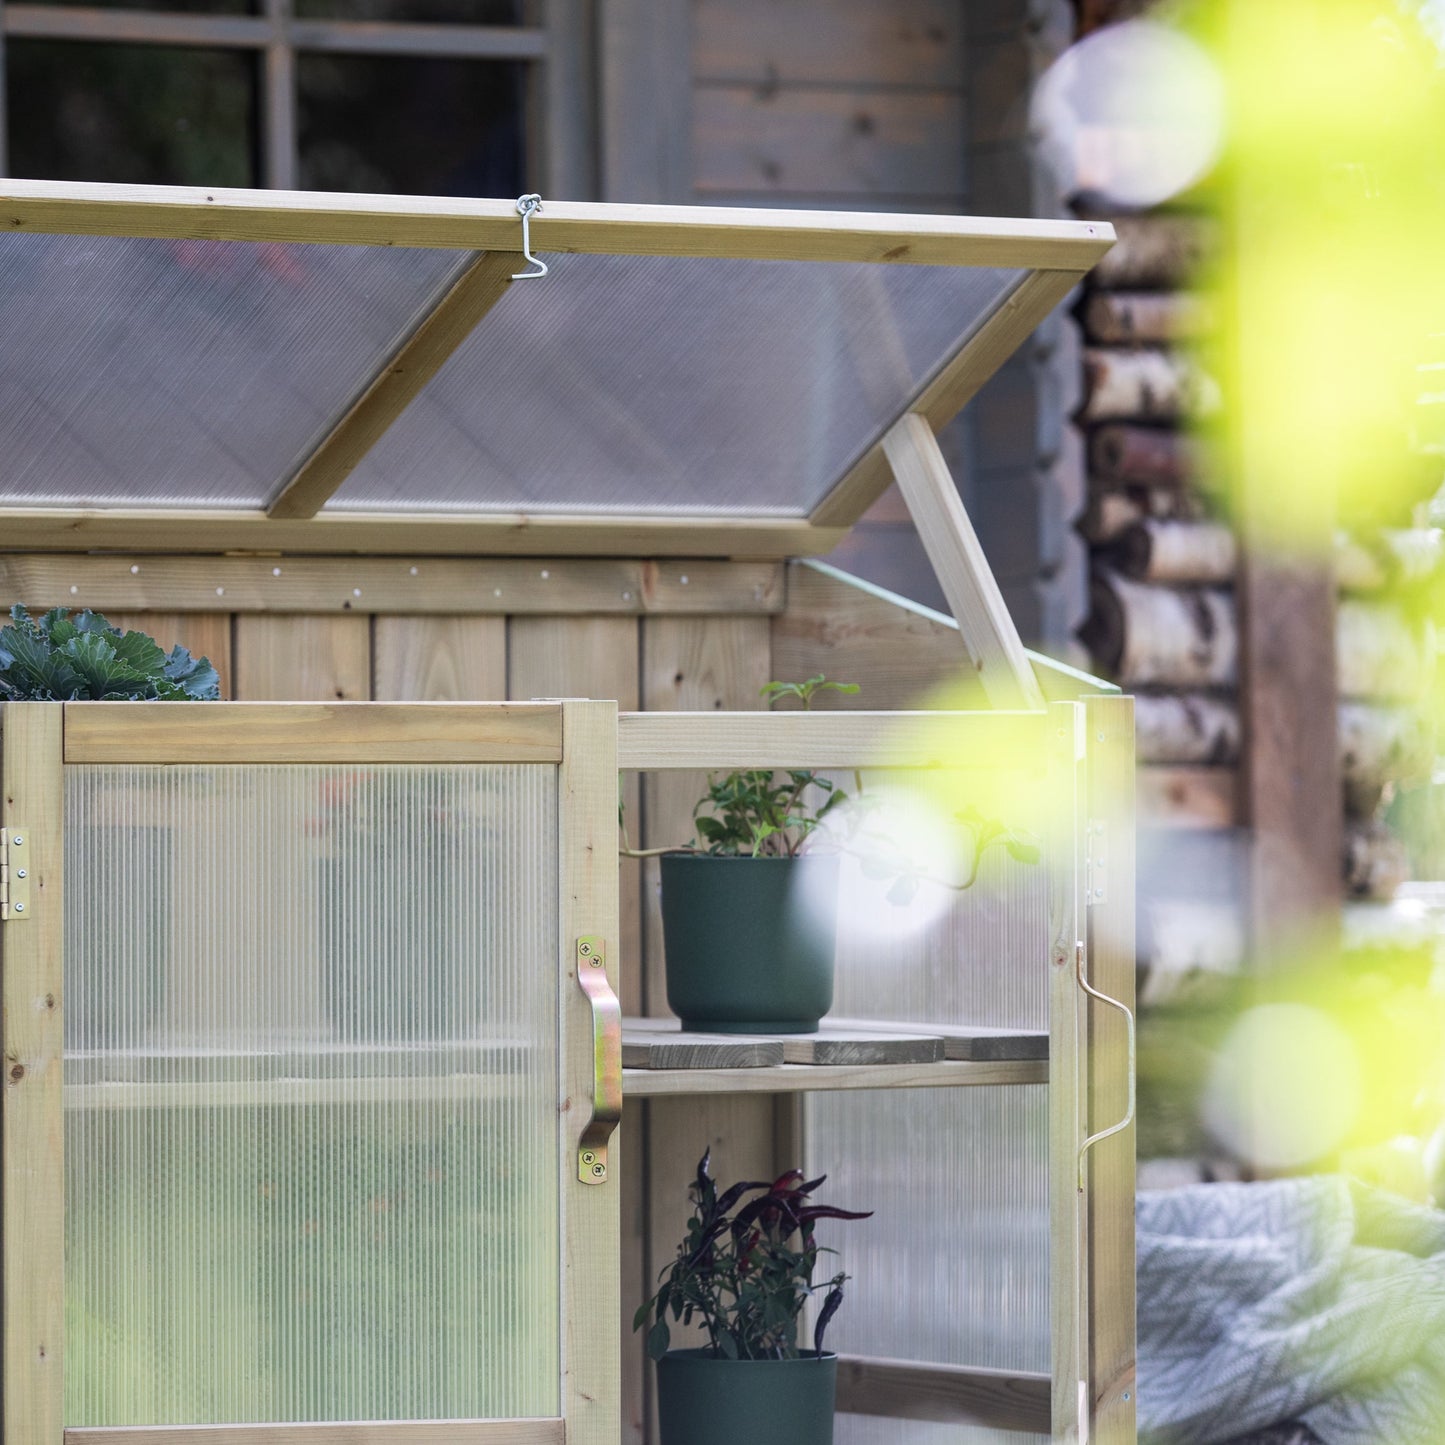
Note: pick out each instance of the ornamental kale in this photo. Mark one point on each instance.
(60, 658)
(745, 1268)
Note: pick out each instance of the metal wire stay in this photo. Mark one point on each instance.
(1129, 1024)
(527, 206)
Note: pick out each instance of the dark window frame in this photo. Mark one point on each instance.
(554, 46)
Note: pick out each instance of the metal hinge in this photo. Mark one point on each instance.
(1096, 863)
(14, 873)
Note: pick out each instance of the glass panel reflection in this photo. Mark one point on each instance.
(311, 1126)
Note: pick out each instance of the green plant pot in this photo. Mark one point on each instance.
(703, 1399)
(743, 954)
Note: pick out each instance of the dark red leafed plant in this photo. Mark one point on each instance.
(745, 1268)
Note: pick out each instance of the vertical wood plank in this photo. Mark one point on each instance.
(311, 658)
(202, 634)
(439, 659)
(33, 1186)
(591, 1379)
(646, 100)
(1067, 1260)
(597, 657)
(691, 664)
(1109, 724)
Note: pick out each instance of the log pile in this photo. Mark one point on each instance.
(1162, 618)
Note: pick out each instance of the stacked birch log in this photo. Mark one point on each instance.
(1162, 618)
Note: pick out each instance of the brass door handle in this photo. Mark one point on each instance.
(606, 1059)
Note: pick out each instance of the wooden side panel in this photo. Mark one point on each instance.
(762, 42)
(704, 664)
(591, 1382)
(597, 657)
(303, 658)
(32, 1136)
(465, 1432)
(1110, 730)
(758, 140)
(849, 633)
(202, 634)
(439, 659)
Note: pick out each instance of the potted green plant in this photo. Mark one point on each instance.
(744, 1270)
(60, 657)
(749, 908)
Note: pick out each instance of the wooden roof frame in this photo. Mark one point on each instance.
(1053, 254)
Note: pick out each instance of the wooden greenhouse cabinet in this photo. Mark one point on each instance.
(262, 1184)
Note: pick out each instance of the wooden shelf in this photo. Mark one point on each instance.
(659, 1059)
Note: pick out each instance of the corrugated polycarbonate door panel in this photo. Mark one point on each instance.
(674, 385)
(140, 372)
(953, 1267)
(311, 1075)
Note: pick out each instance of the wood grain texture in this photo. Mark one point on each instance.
(985, 627)
(949, 1394)
(591, 1214)
(669, 1048)
(667, 741)
(1290, 788)
(91, 208)
(594, 657)
(1068, 1260)
(841, 142)
(510, 534)
(970, 1041)
(303, 659)
(439, 659)
(170, 732)
(450, 1432)
(32, 1134)
(805, 1078)
(913, 43)
(202, 634)
(834, 1045)
(896, 652)
(1109, 727)
(396, 383)
(499, 586)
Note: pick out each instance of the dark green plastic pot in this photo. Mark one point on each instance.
(703, 1399)
(743, 956)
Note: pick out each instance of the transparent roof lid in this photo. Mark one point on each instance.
(294, 369)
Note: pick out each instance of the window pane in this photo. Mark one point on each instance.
(195, 7)
(422, 126)
(310, 1094)
(145, 114)
(461, 12)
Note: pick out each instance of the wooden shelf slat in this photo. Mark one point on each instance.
(803, 1078)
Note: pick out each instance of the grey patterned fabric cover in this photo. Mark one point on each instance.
(1316, 1300)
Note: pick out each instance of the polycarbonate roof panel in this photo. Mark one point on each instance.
(137, 372)
(680, 385)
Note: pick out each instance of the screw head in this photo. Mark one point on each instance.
(599, 1170)
(22, 873)
(18, 841)
(20, 908)
(588, 1156)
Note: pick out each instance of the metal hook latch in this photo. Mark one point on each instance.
(1129, 1025)
(526, 207)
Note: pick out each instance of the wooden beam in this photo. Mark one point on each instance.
(1110, 1319)
(800, 1078)
(396, 384)
(949, 1394)
(946, 394)
(986, 630)
(401, 1432)
(648, 741)
(302, 732)
(494, 587)
(49, 529)
(214, 213)
(32, 1131)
